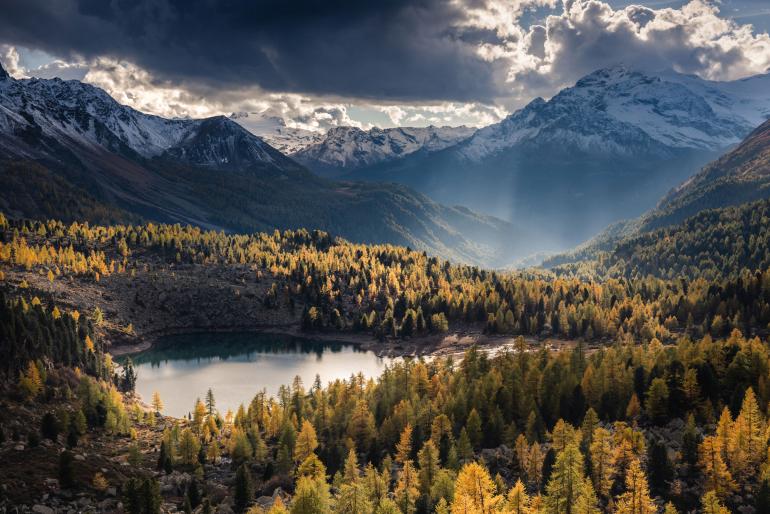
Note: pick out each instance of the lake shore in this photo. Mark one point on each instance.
(453, 343)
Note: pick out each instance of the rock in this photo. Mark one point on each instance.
(265, 502)
(19, 447)
(42, 509)
(112, 491)
(106, 505)
(52, 483)
(80, 457)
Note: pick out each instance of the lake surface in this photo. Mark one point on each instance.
(236, 366)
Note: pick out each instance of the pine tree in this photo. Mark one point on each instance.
(244, 488)
(66, 469)
(473, 428)
(657, 400)
(210, 402)
(636, 499)
(427, 458)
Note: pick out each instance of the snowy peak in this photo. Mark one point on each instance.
(274, 131)
(621, 111)
(86, 116)
(349, 148)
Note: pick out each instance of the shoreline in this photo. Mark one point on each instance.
(453, 343)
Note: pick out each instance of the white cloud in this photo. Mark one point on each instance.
(11, 62)
(589, 34)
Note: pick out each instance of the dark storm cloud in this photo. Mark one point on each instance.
(386, 49)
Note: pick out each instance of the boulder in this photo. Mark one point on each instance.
(42, 509)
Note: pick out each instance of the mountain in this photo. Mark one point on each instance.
(346, 149)
(603, 150)
(274, 131)
(68, 149)
(734, 180)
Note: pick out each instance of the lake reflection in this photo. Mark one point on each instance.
(238, 365)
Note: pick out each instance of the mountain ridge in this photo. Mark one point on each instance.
(211, 172)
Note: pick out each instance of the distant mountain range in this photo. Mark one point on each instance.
(740, 176)
(68, 150)
(603, 150)
(346, 149)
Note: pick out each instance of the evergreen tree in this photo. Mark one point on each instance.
(244, 488)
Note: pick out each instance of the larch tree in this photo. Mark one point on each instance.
(306, 442)
(567, 482)
(475, 491)
(712, 505)
(750, 430)
(311, 497)
(404, 445)
(718, 477)
(407, 488)
(636, 499)
(517, 499)
(602, 461)
(157, 403)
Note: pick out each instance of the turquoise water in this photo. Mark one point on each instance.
(238, 365)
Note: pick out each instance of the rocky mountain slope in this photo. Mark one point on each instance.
(605, 149)
(68, 149)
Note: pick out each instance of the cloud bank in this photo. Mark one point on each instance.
(413, 62)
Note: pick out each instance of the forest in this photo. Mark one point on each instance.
(392, 291)
(713, 244)
(657, 402)
(629, 428)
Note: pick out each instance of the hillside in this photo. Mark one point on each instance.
(739, 177)
(76, 143)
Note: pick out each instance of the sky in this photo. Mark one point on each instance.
(323, 63)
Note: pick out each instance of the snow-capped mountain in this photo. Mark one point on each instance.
(88, 117)
(71, 152)
(274, 131)
(602, 150)
(620, 111)
(344, 149)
